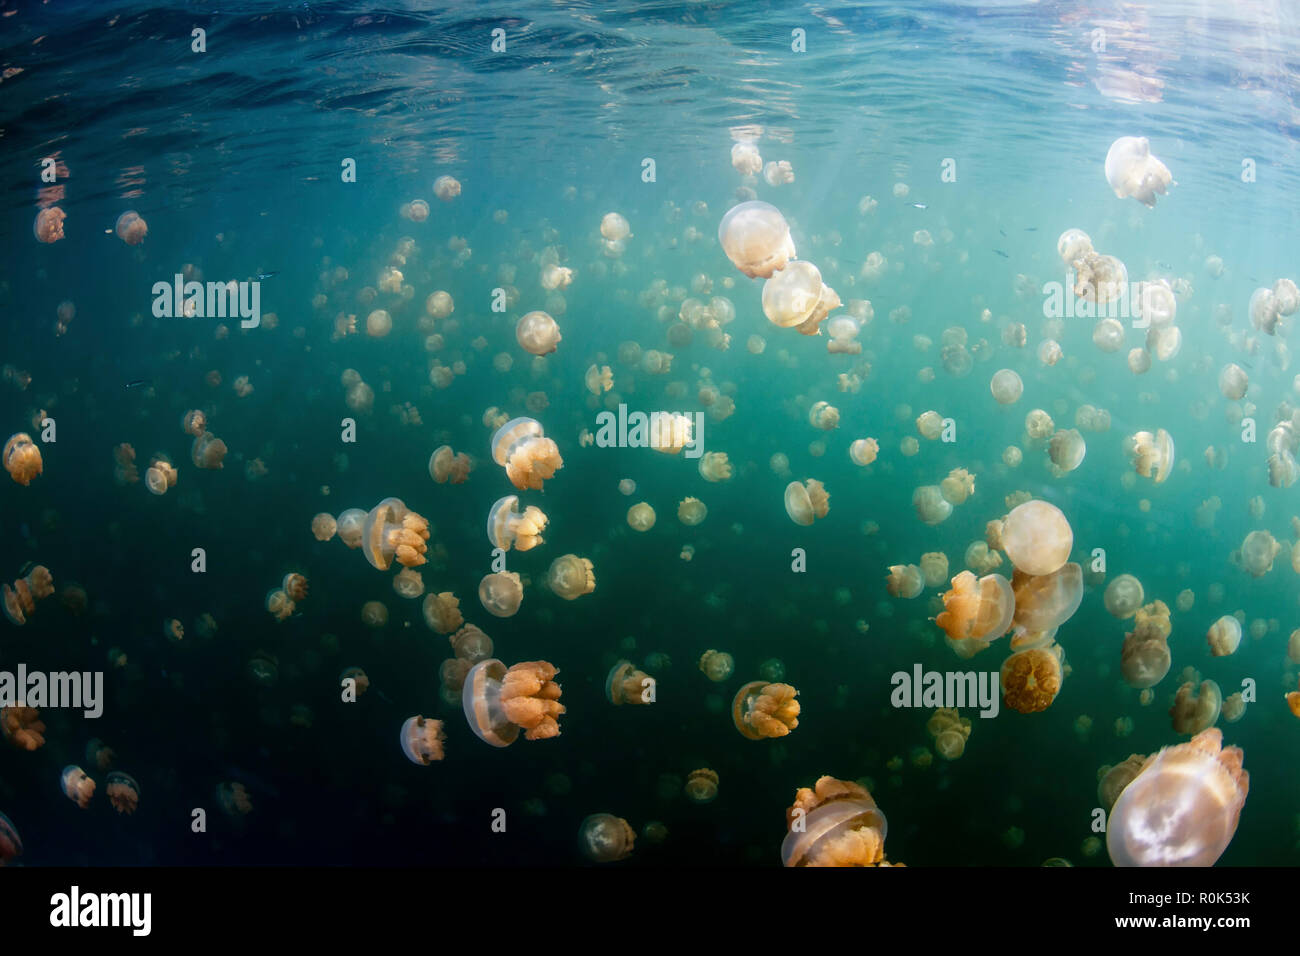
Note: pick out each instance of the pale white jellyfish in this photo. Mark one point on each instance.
(1047, 601)
(1164, 343)
(538, 333)
(1006, 386)
(930, 504)
(1257, 552)
(1139, 361)
(1233, 382)
(614, 227)
(756, 238)
(1037, 537)
(746, 160)
(1153, 455)
(863, 451)
(806, 502)
(1123, 596)
(507, 527)
(1131, 170)
(797, 297)
(1224, 636)
(1156, 303)
(905, 580)
(1108, 335)
(1066, 449)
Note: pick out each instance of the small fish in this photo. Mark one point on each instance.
(918, 205)
(1031, 228)
(138, 382)
(1248, 365)
(267, 275)
(1002, 254)
(1003, 233)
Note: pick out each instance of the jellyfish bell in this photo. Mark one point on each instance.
(1037, 537)
(977, 609)
(1006, 387)
(760, 710)
(22, 458)
(1073, 244)
(756, 238)
(1153, 455)
(500, 701)
(77, 785)
(1183, 808)
(130, 228)
(1045, 602)
(806, 502)
(625, 684)
(931, 505)
(641, 516)
(350, 525)
(538, 333)
(392, 531)
(1123, 596)
(605, 838)
(571, 577)
(1196, 708)
(123, 792)
(528, 456)
(1116, 778)
(422, 740)
(839, 824)
(501, 593)
(1031, 679)
(1132, 171)
(863, 451)
(1224, 636)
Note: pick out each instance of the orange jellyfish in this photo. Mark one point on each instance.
(123, 792)
(22, 458)
(528, 456)
(391, 531)
(863, 451)
(323, 526)
(77, 785)
(194, 423)
(1145, 658)
(99, 755)
(701, 786)
(501, 701)
(124, 469)
(208, 451)
(605, 838)
(760, 710)
(977, 609)
(446, 465)
(173, 630)
(501, 593)
(1292, 701)
(22, 727)
(471, 644)
(807, 502)
(295, 585)
(507, 527)
(442, 612)
(130, 228)
(626, 684)
(950, 732)
(279, 605)
(1182, 809)
(48, 226)
(1031, 679)
(11, 845)
(835, 824)
(422, 740)
(571, 577)
(1196, 708)
(160, 476)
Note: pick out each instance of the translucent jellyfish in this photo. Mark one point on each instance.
(571, 577)
(1012, 456)
(442, 612)
(408, 584)
(392, 531)
(977, 609)
(446, 188)
(233, 799)
(1131, 170)
(1153, 455)
(22, 458)
(295, 585)
(501, 593)
(761, 710)
(1031, 679)
(123, 792)
(1195, 708)
(1293, 647)
(374, 614)
(1139, 361)
(950, 732)
(1047, 601)
(598, 379)
(837, 823)
(1234, 708)
(208, 451)
(691, 511)
(863, 451)
(22, 727)
(507, 527)
(351, 524)
(378, 324)
(422, 740)
(796, 297)
(929, 424)
(1037, 537)
(1123, 596)
(323, 526)
(528, 456)
(934, 568)
(701, 786)
(446, 465)
(904, 580)
(499, 701)
(1006, 386)
(48, 226)
(538, 333)
(756, 238)
(1257, 552)
(958, 486)
(625, 684)
(824, 415)
(1144, 658)
(627, 486)
(641, 517)
(130, 228)
(1224, 636)
(714, 466)
(1114, 779)
(1182, 809)
(77, 785)
(605, 838)
(930, 504)
(194, 423)
(717, 666)
(806, 502)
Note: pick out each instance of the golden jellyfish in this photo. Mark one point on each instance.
(1182, 809)
(570, 577)
(194, 422)
(931, 505)
(173, 630)
(1039, 424)
(977, 609)
(746, 159)
(470, 644)
(691, 511)
(378, 324)
(598, 379)
(756, 238)
(508, 528)
(863, 451)
(1113, 780)
(824, 415)
(130, 228)
(1153, 455)
(351, 525)
(1196, 708)
(761, 710)
(439, 304)
(626, 684)
(22, 458)
(1031, 679)
(836, 823)
(374, 614)
(501, 593)
(714, 466)
(1145, 658)
(361, 682)
(626, 486)
(422, 740)
(446, 465)
(1257, 552)
(407, 583)
(124, 469)
(641, 517)
(48, 226)
(1047, 601)
(22, 727)
(701, 786)
(1006, 387)
(537, 333)
(99, 755)
(1234, 708)
(323, 526)
(528, 456)
(500, 701)
(615, 227)
(442, 612)
(958, 486)
(208, 451)
(904, 580)
(417, 210)
(392, 531)
(279, 605)
(934, 568)
(446, 188)
(1293, 702)
(717, 666)
(806, 502)
(123, 792)
(1037, 537)
(603, 837)
(950, 732)
(1224, 636)
(1123, 596)
(77, 785)
(1131, 170)
(1066, 450)
(295, 585)
(160, 476)
(929, 424)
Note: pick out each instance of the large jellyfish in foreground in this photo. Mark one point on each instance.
(1183, 807)
(835, 824)
(1131, 170)
(760, 710)
(756, 238)
(501, 701)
